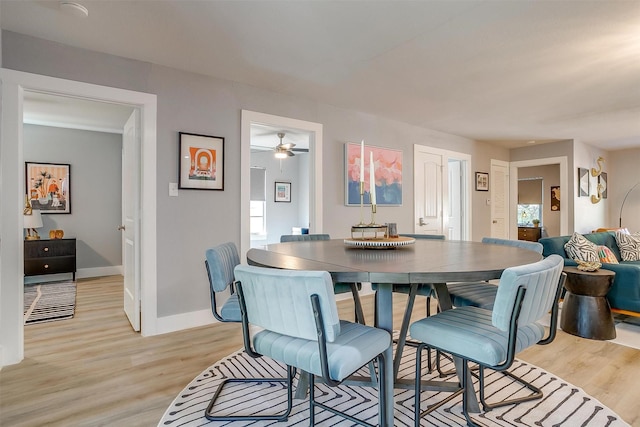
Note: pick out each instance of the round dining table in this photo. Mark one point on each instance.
(426, 261)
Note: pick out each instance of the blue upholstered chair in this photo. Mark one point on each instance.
(220, 262)
(339, 287)
(301, 329)
(483, 294)
(491, 338)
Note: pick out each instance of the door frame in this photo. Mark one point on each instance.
(466, 184)
(315, 173)
(14, 84)
(513, 190)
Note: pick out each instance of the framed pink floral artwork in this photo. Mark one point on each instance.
(387, 173)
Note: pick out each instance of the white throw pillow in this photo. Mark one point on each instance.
(579, 248)
(629, 245)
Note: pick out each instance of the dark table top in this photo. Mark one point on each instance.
(426, 261)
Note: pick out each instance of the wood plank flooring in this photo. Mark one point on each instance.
(93, 370)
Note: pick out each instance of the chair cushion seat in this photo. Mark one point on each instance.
(476, 294)
(355, 346)
(468, 331)
(230, 311)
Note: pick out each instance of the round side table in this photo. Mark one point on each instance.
(585, 310)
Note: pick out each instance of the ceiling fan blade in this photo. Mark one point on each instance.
(289, 145)
(290, 153)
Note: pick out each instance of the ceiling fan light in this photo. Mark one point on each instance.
(281, 154)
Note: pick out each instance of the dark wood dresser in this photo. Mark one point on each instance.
(532, 234)
(50, 257)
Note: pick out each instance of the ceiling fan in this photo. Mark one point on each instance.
(283, 150)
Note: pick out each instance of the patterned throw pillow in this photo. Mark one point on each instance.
(606, 255)
(629, 245)
(579, 248)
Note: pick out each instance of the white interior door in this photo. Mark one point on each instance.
(131, 218)
(455, 212)
(499, 187)
(429, 184)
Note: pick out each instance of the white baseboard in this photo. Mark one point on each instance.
(195, 319)
(178, 322)
(112, 270)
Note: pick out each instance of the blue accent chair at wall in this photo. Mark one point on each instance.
(220, 262)
(491, 338)
(339, 287)
(300, 328)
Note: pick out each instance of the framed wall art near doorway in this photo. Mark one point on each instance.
(482, 181)
(201, 165)
(48, 187)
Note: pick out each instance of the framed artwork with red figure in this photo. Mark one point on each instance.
(201, 165)
(48, 187)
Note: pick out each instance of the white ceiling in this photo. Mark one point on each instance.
(505, 71)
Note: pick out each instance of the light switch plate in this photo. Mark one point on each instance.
(173, 189)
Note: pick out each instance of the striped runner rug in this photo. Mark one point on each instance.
(563, 404)
(49, 301)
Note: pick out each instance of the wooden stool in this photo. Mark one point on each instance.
(585, 310)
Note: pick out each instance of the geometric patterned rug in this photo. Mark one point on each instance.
(563, 404)
(50, 301)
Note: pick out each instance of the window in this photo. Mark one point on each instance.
(527, 213)
(257, 217)
(257, 206)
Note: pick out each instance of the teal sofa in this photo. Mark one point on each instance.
(625, 292)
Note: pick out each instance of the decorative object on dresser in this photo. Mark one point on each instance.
(32, 220)
(531, 234)
(50, 257)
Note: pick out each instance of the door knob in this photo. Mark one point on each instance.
(421, 221)
(120, 227)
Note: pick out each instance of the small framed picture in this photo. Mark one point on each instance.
(555, 198)
(48, 187)
(583, 182)
(201, 165)
(482, 181)
(283, 192)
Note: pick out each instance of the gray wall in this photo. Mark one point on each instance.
(623, 172)
(96, 189)
(189, 102)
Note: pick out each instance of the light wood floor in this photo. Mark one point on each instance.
(92, 370)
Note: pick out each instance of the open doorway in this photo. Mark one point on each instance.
(314, 167)
(279, 199)
(441, 192)
(554, 170)
(14, 86)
